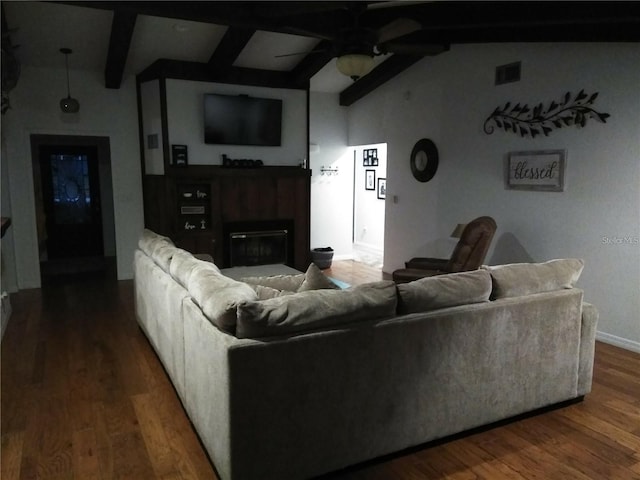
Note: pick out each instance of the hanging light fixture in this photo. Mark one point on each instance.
(355, 65)
(68, 104)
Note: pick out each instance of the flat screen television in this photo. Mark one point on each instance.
(242, 120)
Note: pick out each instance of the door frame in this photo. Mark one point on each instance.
(103, 148)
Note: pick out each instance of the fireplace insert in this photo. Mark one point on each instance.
(258, 243)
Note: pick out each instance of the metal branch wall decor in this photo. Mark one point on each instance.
(537, 120)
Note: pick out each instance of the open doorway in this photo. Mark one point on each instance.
(74, 205)
(369, 200)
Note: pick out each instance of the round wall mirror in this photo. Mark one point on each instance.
(424, 160)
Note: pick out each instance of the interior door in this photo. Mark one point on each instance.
(71, 198)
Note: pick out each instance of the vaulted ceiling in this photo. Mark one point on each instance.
(291, 44)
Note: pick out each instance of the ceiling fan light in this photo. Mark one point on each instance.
(355, 65)
(69, 105)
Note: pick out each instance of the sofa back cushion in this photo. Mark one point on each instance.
(184, 264)
(519, 279)
(312, 279)
(441, 291)
(160, 248)
(315, 309)
(219, 296)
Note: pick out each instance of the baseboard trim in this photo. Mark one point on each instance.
(618, 341)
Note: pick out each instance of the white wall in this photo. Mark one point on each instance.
(185, 112)
(331, 195)
(103, 112)
(597, 218)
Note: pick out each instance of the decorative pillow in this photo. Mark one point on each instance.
(183, 264)
(518, 279)
(441, 291)
(219, 296)
(311, 310)
(314, 279)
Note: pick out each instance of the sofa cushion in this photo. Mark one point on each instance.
(149, 240)
(312, 279)
(265, 293)
(443, 291)
(219, 296)
(518, 279)
(183, 264)
(314, 309)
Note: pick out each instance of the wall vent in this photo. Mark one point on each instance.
(508, 73)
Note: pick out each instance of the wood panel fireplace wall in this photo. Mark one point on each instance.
(193, 205)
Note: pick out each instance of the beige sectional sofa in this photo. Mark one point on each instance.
(287, 378)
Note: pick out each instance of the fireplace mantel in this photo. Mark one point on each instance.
(191, 205)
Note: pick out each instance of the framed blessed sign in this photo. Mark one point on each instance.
(541, 170)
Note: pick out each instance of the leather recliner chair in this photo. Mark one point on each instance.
(467, 255)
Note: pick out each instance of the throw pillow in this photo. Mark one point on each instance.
(441, 291)
(518, 279)
(314, 279)
(311, 310)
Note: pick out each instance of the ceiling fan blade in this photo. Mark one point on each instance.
(424, 49)
(293, 54)
(398, 28)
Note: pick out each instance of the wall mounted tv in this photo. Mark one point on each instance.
(242, 120)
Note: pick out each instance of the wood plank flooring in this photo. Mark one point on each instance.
(85, 397)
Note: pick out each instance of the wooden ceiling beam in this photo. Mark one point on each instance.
(232, 43)
(378, 76)
(313, 62)
(202, 72)
(119, 42)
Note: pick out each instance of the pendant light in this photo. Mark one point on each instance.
(68, 104)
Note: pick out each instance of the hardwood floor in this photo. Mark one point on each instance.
(85, 397)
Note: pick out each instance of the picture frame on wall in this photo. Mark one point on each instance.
(370, 180)
(370, 157)
(541, 170)
(382, 188)
(179, 157)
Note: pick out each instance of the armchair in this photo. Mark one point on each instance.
(467, 255)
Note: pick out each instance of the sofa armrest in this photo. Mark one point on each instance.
(426, 263)
(587, 347)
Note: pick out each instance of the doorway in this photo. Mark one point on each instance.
(74, 205)
(71, 201)
(369, 203)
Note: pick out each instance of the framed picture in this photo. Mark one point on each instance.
(179, 155)
(541, 170)
(370, 180)
(382, 188)
(370, 157)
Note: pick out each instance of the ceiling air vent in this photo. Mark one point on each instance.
(508, 73)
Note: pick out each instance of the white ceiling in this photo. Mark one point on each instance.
(41, 29)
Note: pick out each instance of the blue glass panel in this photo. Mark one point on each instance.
(71, 191)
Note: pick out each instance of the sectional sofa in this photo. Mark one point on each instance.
(287, 377)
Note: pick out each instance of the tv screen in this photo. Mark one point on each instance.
(242, 120)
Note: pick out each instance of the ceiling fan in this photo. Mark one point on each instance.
(356, 32)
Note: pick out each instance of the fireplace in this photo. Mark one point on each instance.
(258, 243)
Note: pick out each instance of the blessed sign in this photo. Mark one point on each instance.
(542, 170)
